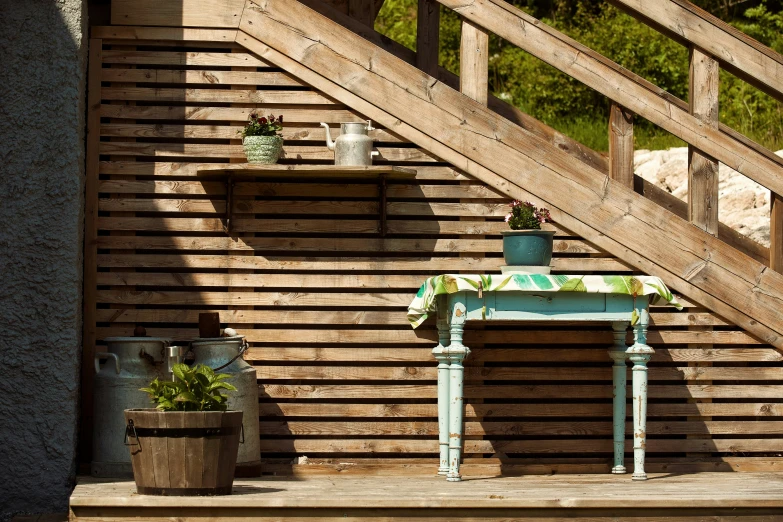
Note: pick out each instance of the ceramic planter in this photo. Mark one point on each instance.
(527, 247)
(263, 149)
(177, 453)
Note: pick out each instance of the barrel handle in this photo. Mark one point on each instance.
(107, 355)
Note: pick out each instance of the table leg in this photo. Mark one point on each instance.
(443, 387)
(619, 370)
(639, 354)
(457, 353)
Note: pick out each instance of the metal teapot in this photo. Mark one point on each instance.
(353, 146)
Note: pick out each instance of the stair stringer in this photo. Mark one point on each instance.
(507, 158)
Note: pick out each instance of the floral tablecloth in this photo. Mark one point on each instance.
(425, 301)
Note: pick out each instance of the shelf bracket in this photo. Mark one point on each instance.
(229, 203)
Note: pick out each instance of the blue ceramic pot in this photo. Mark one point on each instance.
(527, 247)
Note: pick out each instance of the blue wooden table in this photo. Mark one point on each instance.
(454, 310)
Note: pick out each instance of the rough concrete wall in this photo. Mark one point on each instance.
(43, 55)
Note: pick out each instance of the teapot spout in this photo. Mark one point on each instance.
(329, 142)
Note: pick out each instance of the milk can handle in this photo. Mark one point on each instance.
(237, 356)
(99, 355)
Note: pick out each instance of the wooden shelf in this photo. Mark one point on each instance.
(306, 171)
(231, 171)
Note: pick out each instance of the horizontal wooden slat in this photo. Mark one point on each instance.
(424, 264)
(473, 373)
(478, 355)
(472, 411)
(198, 13)
(290, 152)
(200, 77)
(171, 34)
(292, 114)
(578, 446)
(403, 336)
(214, 95)
(296, 244)
(754, 392)
(488, 428)
(183, 58)
(289, 132)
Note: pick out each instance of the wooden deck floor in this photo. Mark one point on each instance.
(702, 496)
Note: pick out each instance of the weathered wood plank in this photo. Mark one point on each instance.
(425, 265)
(428, 36)
(424, 246)
(194, 95)
(290, 152)
(199, 77)
(172, 34)
(289, 132)
(414, 390)
(704, 84)
(621, 145)
(474, 62)
(182, 13)
(183, 58)
(554, 410)
(776, 232)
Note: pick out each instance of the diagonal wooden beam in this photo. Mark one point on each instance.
(474, 139)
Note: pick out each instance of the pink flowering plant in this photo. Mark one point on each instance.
(525, 216)
(263, 126)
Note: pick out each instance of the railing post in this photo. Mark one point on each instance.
(703, 169)
(621, 145)
(362, 10)
(474, 62)
(428, 37)
(776, 232)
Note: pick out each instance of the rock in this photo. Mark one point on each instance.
(743, 204)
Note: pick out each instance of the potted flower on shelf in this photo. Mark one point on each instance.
(262, 139)
(527, 248)
(188, 444)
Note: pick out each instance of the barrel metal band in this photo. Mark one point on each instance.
(187, 432)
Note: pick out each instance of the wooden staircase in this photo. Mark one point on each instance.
(462, 129)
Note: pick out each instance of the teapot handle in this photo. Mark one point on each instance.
(369, 126)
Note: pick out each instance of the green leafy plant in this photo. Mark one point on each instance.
(195, 389)
(525, 216)
(263, 126)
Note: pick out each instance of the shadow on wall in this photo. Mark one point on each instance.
(44, 60)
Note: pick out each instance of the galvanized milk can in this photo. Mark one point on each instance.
(224, 354)
(353, 146)
(132, 362)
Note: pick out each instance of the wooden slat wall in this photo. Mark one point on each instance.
(343, 379)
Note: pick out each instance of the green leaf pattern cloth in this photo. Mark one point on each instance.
(425, 301)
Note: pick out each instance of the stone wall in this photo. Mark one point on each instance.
(43, 52)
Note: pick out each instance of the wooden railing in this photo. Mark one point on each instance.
(696, 123)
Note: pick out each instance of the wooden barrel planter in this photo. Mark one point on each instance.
(183, 453)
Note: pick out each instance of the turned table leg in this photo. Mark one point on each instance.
(640, 354)
(457, 353)
(618, 398)
(443, 386)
